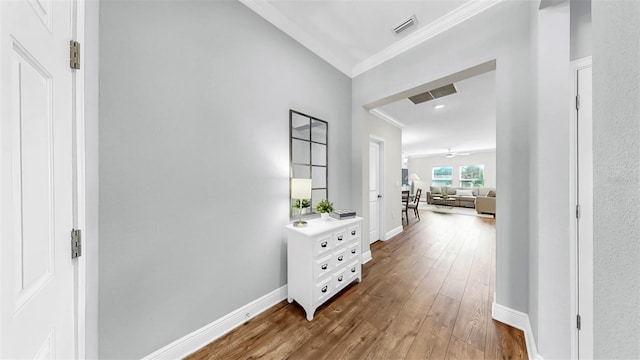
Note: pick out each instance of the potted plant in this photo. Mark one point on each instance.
(305, 204)
(324, 207)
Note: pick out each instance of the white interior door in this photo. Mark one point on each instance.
(37, 314)
(585, 220)
(374, 192)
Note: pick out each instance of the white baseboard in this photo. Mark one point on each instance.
(392, 233)
(194, 341)
(366, 257)
(518, 320)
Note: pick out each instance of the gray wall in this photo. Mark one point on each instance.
(194, 163)
(616, 170)
(437, 58)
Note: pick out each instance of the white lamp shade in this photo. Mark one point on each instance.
(414, 177)
(301, 188)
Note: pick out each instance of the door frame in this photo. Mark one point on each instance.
(80, 202)
(575, 66)
(381, 184)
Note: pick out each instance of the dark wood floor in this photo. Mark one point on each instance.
(426, 294)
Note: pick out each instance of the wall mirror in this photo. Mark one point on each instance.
(308, 156)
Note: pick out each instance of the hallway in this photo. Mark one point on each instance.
(426, 294)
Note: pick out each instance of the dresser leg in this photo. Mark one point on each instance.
(290, 300)
(358, 279)
(310, 314)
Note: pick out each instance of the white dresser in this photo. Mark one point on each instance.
(323, 258)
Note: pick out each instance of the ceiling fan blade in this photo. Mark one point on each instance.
(463, 154)
(449, 154)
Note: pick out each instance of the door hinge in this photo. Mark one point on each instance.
(578, 102)
(578, 324)
(578, 212)
(76, 243)
(74, 54)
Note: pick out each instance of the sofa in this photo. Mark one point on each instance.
(486, 205)
(467, 199)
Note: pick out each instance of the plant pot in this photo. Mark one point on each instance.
(324, 216)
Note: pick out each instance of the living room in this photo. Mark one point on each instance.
(449, 142)
(444, 177)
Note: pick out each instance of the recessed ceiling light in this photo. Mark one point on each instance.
(439, 106)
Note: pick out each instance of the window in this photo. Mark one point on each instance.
(308, 155)
(472, 176)
(441, 175)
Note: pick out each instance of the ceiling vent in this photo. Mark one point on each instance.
(420, 98)
(433, 94)
(412, 21)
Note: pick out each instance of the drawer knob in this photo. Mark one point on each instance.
(324, 266)
(353, 251)
(353, 232)
(340, 278)
(340, 258)
(353, 269)
(324, 289)
(340, 238)
(324, 244)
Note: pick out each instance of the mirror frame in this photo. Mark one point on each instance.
(293, 211)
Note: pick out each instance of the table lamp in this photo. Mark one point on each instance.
(413, 177)
(300, 190)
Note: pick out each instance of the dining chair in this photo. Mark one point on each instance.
(405, 204)
(414, 204)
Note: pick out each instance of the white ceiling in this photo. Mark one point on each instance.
(466, 124)
(357, 35)
(359, 29)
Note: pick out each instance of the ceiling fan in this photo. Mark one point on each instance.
(454, 154)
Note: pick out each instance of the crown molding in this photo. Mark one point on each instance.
(423, 34)
(386, 117)
(272, 15)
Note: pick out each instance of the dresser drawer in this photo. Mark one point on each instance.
(353, 270)
(340, 278)
(340, 237)
(353, 232)
(322, 289)
(353, 250)
(340, 258)
(322, 267)
(322, 245)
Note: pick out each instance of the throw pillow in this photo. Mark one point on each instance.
(491, 193)
(435, 189)
(464, 192)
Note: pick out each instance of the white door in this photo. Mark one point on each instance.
(36, 167)
(374, 192)
(585, 221)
